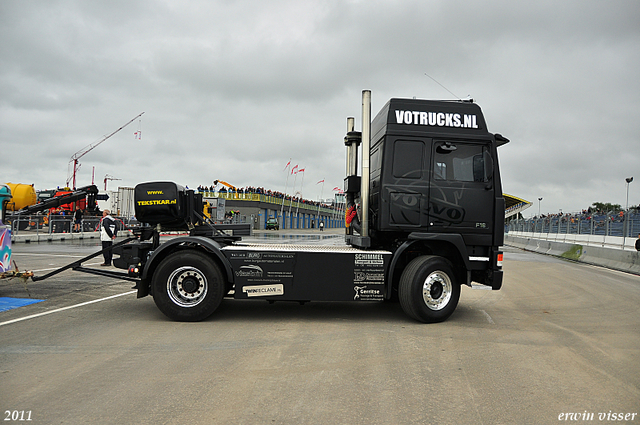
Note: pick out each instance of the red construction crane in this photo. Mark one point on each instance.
(82, 152)
(108, 177)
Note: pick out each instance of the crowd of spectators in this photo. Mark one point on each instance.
(590, 221)
(265, 192)
(589, 214)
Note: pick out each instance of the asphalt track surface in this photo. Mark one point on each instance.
(560, 338)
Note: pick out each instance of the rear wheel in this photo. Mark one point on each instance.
(188, 286)
(428, 290)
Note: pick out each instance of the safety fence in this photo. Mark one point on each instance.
(619, 228)
(52, 224)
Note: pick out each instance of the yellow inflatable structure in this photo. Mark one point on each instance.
(23, 195)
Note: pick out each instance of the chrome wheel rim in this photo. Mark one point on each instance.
(187, 286)
(437, 290)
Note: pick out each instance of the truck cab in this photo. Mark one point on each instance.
(432, 170)
(434, 187)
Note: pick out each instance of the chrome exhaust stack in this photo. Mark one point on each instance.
(357, 187)
(366, 147)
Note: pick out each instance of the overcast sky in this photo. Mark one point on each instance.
(232, 90)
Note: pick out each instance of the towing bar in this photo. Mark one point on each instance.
(77, 266)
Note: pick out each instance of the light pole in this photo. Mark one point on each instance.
(626, 214)
(539, 201)
(628, 180)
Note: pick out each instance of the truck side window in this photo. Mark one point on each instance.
(376, 159)
(460, 162)
(407, 159)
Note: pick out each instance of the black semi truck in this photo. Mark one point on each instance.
(425, 216)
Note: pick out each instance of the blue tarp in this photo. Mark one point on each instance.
(7, 303)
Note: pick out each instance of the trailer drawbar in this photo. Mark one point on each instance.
(424, 216)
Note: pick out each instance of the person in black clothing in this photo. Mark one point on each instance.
(638, 243)
(107, 235)
(77, 220)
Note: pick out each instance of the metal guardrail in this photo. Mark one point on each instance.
(42, 224)
(613, 224)
(614, 230)
(275, 200)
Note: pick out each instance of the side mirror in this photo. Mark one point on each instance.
(478, 168)
(488, 165)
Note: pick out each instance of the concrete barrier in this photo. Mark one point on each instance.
(582, 239)
(617, 259)
(28, 236)
(611, 258)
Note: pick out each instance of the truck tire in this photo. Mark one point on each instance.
(188, 286)
(428, 290)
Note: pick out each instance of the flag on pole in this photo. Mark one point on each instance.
(321, 181)
(292, 172)
(285, 167)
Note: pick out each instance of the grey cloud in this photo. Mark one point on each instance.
(233, 89)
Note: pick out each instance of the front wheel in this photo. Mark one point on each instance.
(428, 290)
(188, 286)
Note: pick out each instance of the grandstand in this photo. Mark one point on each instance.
(613, 229)
(258, 204)
(514, 205)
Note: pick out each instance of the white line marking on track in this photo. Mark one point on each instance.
(489, 319)
(33, 316)
(46, 255)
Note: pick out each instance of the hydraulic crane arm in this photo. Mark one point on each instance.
(82, 152)
(230, 186)
(90, 191)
